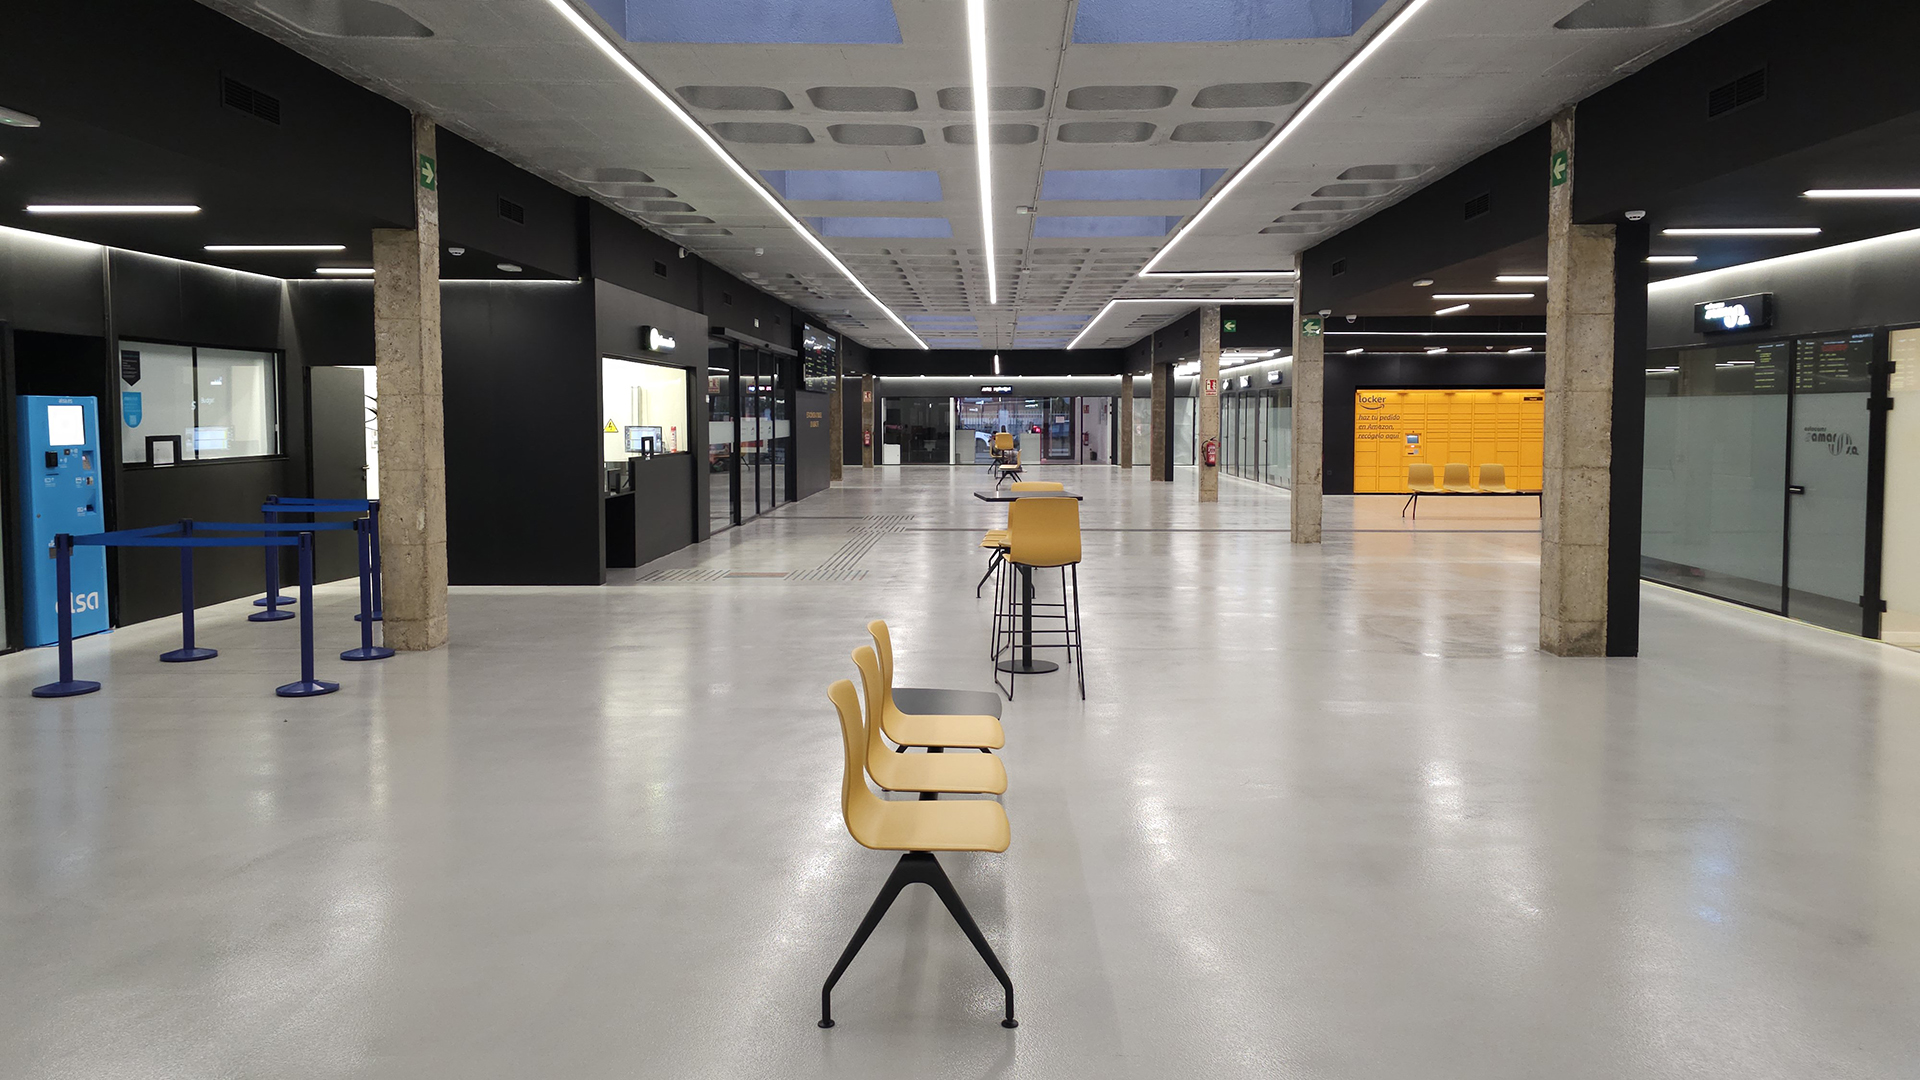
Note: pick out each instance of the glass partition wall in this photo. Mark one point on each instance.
(1256, 435)
(1760, 460)
(750, 430)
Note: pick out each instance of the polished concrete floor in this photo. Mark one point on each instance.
(1325, 813)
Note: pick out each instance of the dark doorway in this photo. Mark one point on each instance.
(336, 459)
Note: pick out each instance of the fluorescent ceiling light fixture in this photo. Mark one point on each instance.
(982, 136)
(103, 208)
(666, 101)
(1221, 274)
(1423, 283)
(1522, 349)
(1483, 296)
(1863, 193)
(1195, 301)
(1910, 236)
(1454, 310)
(1521, 279)
(1355, 352)
(16, 118)
(996, 363)
(1435, 350)
(344, 271)
(274, 247)
(1437, 333)
(1662, 259)
(1767, 231)
(1191, 367)
(1293, 124)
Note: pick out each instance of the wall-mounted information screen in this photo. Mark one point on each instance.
(819, 356)
(1396, 428)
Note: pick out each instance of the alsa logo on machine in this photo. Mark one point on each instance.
(85, 602)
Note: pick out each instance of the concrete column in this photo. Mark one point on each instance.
(1574, 516)
(870, 445)
(1124, 455)
(413, 474)
(1160, 453)
(1207, 415)
(1309, 418)
(836, 426)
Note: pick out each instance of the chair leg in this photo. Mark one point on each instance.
(1409, 502)
(922, 867)
(1079, 634)
(993, 561)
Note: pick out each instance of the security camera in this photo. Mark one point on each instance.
(1636, 215)
(759, 251)
(1353, 318)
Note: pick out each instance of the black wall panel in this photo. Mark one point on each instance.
(633, 258)
(163, 299)
(522, 387)
(472, 183)
(732, 304)
(618, 315)
(332, 323)
(663, 491)
(1345, 375)
(811, 472)
(148, 585)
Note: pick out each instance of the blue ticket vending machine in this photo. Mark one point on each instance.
(60, 492)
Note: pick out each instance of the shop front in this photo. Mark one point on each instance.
(1779, 473)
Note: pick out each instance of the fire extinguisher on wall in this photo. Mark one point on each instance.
(1211, 452)
(866, 436)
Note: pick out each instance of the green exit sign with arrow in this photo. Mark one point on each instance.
(1229, 326)
(1558, 169)
(429, 173)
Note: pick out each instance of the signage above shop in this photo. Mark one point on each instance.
(996, 389)
(1753, 312)
(654, 339)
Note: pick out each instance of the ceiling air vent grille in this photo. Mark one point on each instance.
(513, 211)
(1339, 267)
(1737, 94)
(259, 104)
(1477, 206)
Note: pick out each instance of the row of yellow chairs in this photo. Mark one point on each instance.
(918, 829)
(1457, 480)
(1040, 534)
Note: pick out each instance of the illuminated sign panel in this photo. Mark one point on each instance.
(1753, 312)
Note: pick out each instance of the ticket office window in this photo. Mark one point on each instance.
(645, 408)
(185, 403)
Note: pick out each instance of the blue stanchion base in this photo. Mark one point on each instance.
(66, 689)
(284, 601)
(270, 615)
(376, 617)
(306, 689)
(188, 656)
(372, 652)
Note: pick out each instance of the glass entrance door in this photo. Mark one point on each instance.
(723, 438)
(1900, 528)
(1827, 480)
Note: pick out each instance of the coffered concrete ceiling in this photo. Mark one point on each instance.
(1110, 124)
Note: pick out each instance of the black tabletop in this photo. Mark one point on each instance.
(1009, 496)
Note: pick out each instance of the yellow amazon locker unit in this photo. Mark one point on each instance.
(1396, 428)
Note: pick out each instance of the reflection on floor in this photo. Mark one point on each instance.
(1326, 812)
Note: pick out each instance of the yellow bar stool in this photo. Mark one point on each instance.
(1044, 534)
(932, 773)
(996, 539)
(921, 700)
(919, 829)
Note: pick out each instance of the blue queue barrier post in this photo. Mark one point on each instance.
(367, 650)
(273, 601)
(308, 686)
(187, 653)
(373, 524)
(67, 686)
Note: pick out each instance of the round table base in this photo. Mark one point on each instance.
(1028, 667)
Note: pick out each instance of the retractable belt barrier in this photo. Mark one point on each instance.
(185, 535)
(281, 504)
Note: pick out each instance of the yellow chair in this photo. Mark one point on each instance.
(1457, 480)
(996, 539)
(921, 700)
(1420, 482)
(918, 829)
(1043, 534)
(1493, 478)
(948, 730)
(930, 773)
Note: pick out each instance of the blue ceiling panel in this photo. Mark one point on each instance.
(1128, 184)
(876, 228)
(1129, 22)
(1100, 225)
(855, 185)
(753, 22)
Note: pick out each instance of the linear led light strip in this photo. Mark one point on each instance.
(982, 137)
(632, 71)
(1190, 300)
(1293, 124)
(1909, 236)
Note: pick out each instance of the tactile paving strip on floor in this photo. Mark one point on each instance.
(843, 565)
(685, 575)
